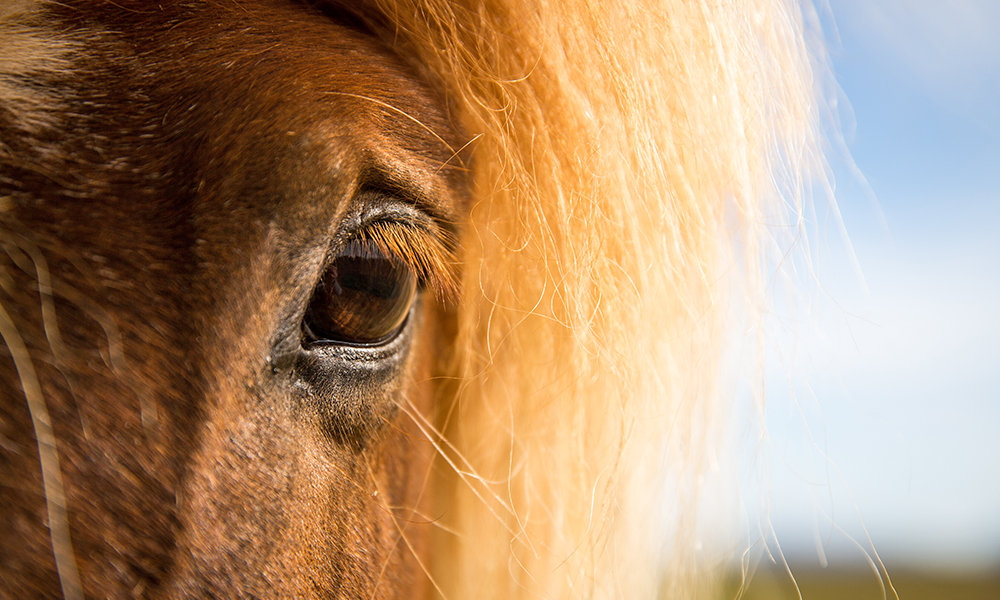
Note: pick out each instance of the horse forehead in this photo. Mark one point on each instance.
(279, 67)
(265, 91)
(252, 69)
(326, 107)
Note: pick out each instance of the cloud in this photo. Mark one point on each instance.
(952, 48)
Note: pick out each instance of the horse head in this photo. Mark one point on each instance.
(369, 300)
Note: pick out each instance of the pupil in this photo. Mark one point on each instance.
(374, 276)
(363, 297)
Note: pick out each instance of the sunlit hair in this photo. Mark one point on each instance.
(629, 159)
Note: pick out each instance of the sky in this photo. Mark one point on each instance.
(887, 436)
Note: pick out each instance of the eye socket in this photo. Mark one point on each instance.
(363, 297)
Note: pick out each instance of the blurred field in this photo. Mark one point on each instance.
(863, 585)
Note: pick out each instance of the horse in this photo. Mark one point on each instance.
(380, 299)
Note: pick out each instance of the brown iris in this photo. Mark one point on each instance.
(363, 297)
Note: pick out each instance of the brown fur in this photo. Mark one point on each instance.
(193, 177)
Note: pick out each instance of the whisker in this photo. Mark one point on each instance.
(402, 536)
(456, 153)
(466, 475)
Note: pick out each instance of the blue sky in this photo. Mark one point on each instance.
(894, 429)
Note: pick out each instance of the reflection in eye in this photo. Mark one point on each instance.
(363, 297)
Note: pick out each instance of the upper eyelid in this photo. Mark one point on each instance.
(387, 196)
(384, 179)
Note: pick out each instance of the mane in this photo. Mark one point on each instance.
(625, 163)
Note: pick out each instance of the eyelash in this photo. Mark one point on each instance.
(430, 256)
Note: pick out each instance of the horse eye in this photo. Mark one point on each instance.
(363, 297)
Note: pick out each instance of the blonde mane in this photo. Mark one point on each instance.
(625, 161)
